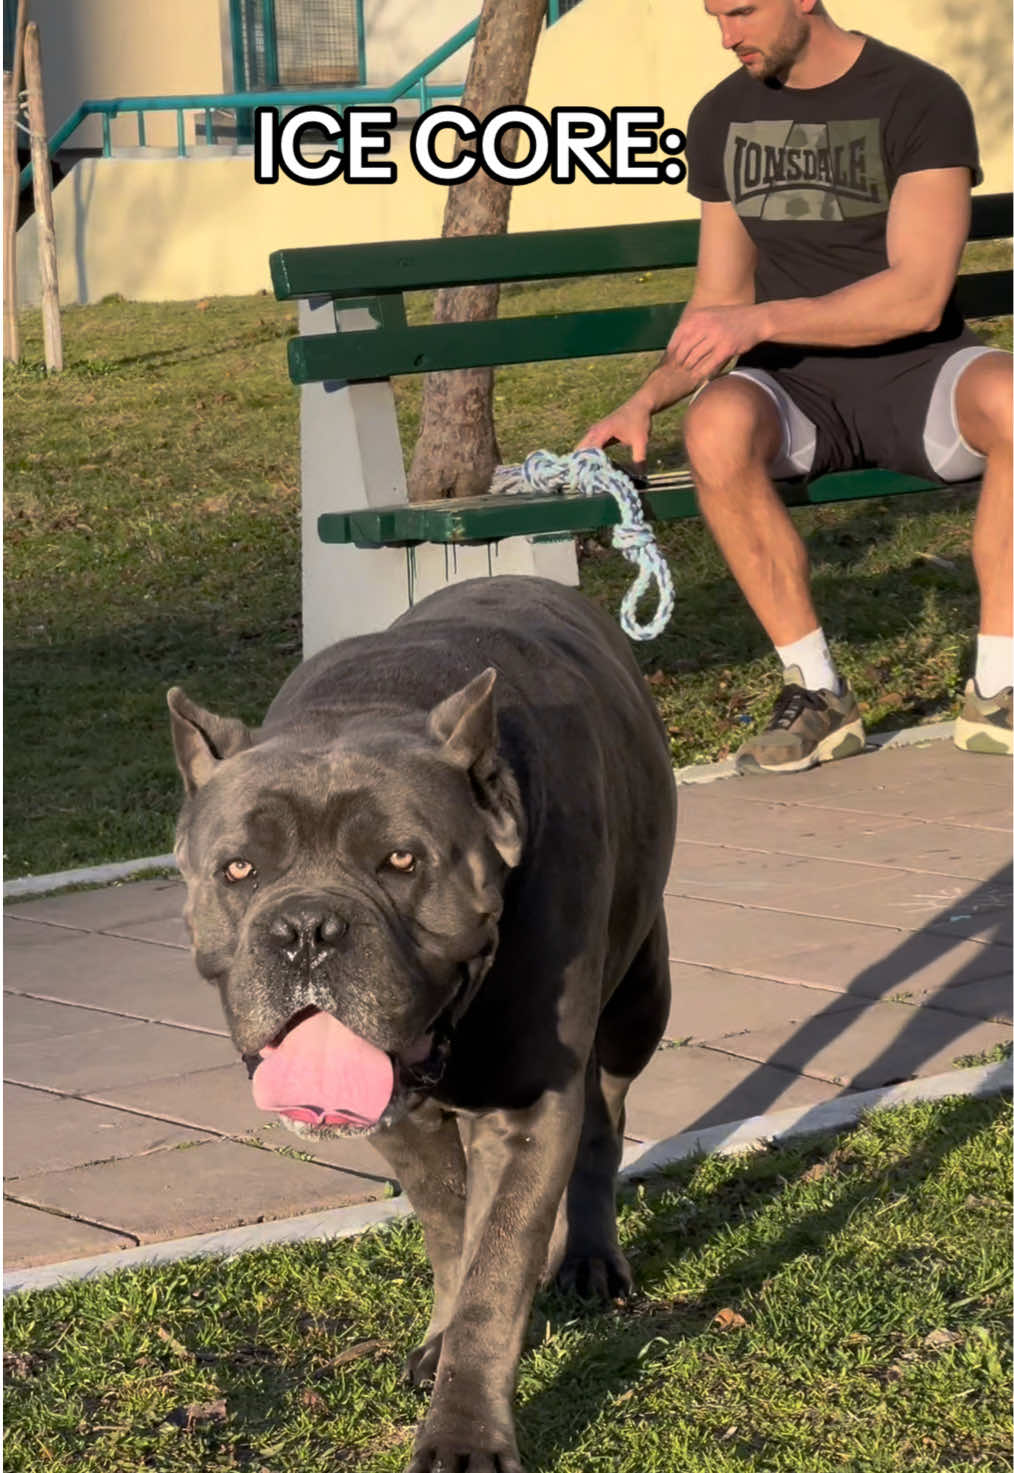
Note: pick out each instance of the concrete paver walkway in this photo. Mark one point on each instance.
(829, 932)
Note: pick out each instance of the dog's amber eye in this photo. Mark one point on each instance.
(402, 860)
(238, 869)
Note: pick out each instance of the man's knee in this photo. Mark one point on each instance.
(731, 426)
(982, 401)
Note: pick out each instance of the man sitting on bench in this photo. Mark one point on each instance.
(834, 175)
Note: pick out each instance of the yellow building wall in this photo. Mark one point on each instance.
(399, 33)
(167, 229)
(126, 48)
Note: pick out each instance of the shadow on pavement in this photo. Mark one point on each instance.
(900, 1060)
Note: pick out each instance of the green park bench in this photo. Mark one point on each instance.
(354, 337)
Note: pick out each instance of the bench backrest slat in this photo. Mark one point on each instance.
(984, 293)
(361, 356)
(474, 260)
(358, 357)
(418, 265)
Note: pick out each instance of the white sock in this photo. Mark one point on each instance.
(813, 658)
(994, 663)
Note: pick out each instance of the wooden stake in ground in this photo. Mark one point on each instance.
(12, 333)
(42, 186)
(12, 192)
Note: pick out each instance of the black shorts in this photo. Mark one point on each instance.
(890, 407)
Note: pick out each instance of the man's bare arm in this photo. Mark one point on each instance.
(724, 278)
(927, 225)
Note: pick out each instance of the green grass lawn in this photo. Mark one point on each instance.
(841, 1304)
(152, 537)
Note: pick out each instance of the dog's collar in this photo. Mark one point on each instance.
(426, 1075)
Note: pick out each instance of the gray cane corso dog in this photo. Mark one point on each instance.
(429, 889)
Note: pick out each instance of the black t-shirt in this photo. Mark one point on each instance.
(810, 171)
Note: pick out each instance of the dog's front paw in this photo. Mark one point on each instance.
(421, 1364)
(449, 1441)
(605, 1276)
(454, 1458)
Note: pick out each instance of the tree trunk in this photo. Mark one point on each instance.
(456, 452)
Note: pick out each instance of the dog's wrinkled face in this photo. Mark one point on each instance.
(343, 892)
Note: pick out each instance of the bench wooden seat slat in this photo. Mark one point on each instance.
(670, 496)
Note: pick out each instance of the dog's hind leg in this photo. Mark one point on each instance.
(427, 1156)
(584, 1256)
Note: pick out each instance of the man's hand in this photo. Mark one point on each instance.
(629, 425)
(707, 338)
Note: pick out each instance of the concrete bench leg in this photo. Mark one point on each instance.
(351, 457)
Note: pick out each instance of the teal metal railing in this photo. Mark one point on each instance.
(415, 84)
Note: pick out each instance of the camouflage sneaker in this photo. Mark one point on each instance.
(985, 722)
(806, 727)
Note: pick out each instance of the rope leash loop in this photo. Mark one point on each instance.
(592, 473)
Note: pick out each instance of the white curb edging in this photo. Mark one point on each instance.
(98, 874)
(639, 1160)
(340, 1222)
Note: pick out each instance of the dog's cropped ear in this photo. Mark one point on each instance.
(465, 726)
(201, 739)
(465, 723)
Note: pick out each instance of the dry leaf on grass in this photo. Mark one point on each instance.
(356, 1352)
(174, 1345)
(728, 1319)
(198, 1414)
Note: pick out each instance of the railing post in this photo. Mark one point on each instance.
(270, 30)
(361, 42)
(244, 118)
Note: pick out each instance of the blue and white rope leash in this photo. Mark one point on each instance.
(591, 473)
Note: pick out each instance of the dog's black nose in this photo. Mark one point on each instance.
(307, 933)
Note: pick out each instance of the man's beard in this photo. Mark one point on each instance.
(785, 51)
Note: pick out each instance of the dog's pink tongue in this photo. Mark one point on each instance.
(324, 1074)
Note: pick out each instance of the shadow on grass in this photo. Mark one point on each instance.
(712, 624)
(258, 1388)
(555, 1419)
(76, 705)
(89, 769)
(184, 353)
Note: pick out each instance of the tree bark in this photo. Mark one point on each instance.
(456, 451)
